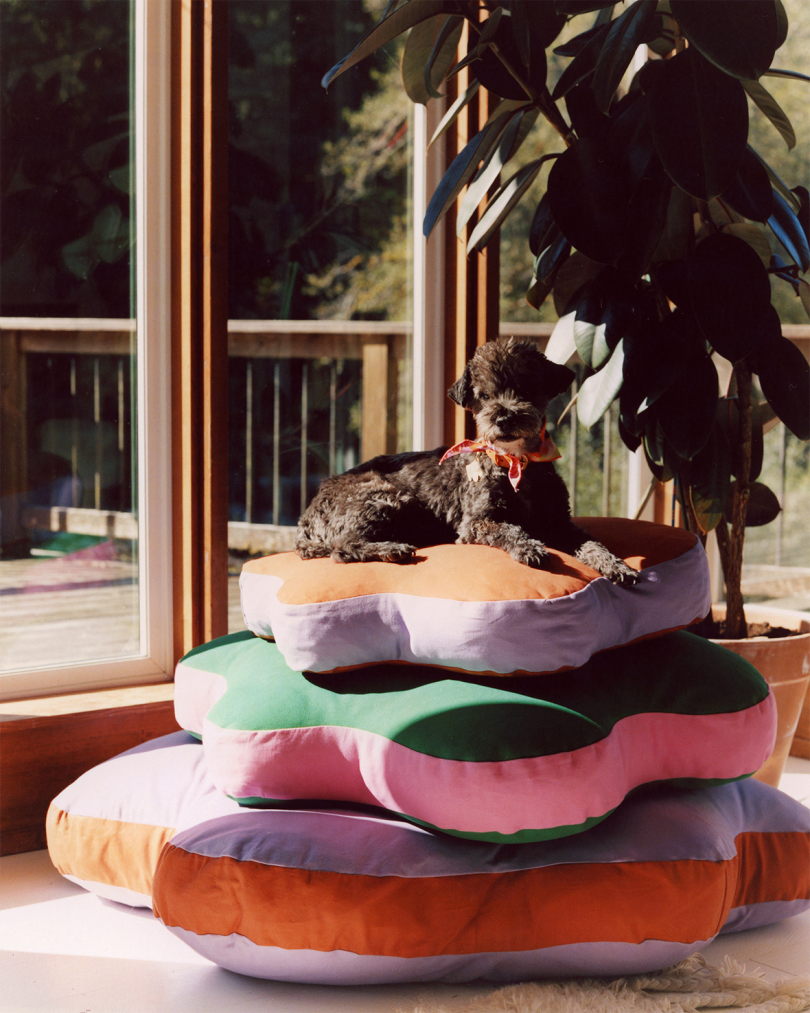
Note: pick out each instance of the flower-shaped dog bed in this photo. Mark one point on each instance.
(107, 829)
(473, 608)
(522, 759)
(343, 897)
(347, 899)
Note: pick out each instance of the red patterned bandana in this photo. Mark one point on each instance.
(515, 464)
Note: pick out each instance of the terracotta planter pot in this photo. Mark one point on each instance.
(784, 662)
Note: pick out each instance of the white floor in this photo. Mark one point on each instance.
(64, 951)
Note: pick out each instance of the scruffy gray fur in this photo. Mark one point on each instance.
(388, 507)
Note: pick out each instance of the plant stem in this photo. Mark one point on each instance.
(736, 628)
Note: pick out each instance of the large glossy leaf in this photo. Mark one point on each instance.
(574, 46)
(756, 238)
(625, 35)
(762, 507)
(671, 277)
(781, 23)
(552, 257)
(490, 171)
(583, 64)
(775, 113)
(784, 376)
(543, 226)
(699, 119)
(646, 222)
(803, 214)
(661, 459)
(599, 391)
(804, 295)
(537, 293)
(750, 192)
(493, 73)
(630, 136)
(630, 440)
(663, 41)
(604, 310)
(739, 39)
(535, 27)
(428, 54)
(676, 239)
(503, 202)
(453, 112)
(589, 197)
(590, 338)
(586, 120)
(561, 345)
(574, 273)
(778, 183)
(656, 355)
(461, 171)
(710, 477)
(788, 230)
(412, 12)
(729, 290)
(687, 408)
(581, 6)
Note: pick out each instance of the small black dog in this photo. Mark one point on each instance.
(500, 490)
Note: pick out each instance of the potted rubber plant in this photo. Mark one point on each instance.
(662, 234)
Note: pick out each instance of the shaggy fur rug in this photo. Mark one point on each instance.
(690, 986)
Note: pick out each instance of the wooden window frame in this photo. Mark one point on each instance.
(199, 320)
(48, 742)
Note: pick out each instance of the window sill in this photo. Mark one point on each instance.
(47, 742)
(81, 703)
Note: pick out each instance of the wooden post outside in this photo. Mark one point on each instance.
(13, 435)
(374, 436)
(472, 301)
(199, 320)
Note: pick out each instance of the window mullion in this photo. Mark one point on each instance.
(199, 322)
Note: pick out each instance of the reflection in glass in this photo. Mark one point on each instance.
(319, 262)
(68, 532)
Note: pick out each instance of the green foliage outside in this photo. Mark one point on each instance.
(66, 221)
(318, 183)
(318, 222)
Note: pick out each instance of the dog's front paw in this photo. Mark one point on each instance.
(395, 552)
(530, 553)
(622, 574)
(595, 555)
(373, 552)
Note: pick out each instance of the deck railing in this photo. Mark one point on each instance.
(306, 399)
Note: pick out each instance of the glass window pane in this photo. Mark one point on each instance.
(68, 485)
(320, 262)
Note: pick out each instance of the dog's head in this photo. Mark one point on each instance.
(507, 386)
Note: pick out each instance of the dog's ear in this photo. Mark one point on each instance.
(461, 391)
(559, 378)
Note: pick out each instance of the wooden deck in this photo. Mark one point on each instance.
(62, 611)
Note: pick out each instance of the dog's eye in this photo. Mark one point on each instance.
(483, 396)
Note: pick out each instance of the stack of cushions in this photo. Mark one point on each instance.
(345, 896)
(386, 794)
(505, 760)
